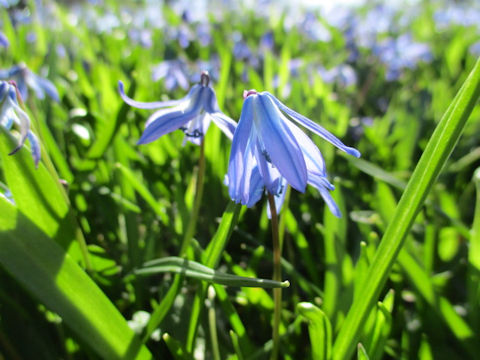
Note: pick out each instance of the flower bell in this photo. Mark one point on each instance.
(192, 114)
(11, 113)
(25, 79)
(269, 151)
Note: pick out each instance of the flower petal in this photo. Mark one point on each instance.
(24, 123)
(314, 127)
(149, 105)
(35, 147)
(242, 182)
(312, 155)
(161, 123)
(47, 86)
(279, 143)
(330, 202)
(225, 124)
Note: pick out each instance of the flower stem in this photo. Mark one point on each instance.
(192, 222)
(163, 308)
(277, 276)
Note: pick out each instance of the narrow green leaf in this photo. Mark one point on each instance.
(176, 348)
(319, 329)
(436, 153)
(54, 278)
(198, 271)
(39, 196)
(362, 353)
(236, 345)
(143, 191)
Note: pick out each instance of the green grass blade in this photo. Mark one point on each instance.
(40, 197)
(44, 269)
(143, 191)
(198, 271)
(319, 329)
(438, 149)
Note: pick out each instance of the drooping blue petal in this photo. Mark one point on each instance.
(47, 86)
(313, 158)
(24, 123)
(279, 143)
(256, 187)
(151, 105)
(330, 202)
(4, 74)
(314, 127)
(35, 147)
(166, 123)
(225, 124)
(33, 83)
(22, 88)
(3, 40)
(242, 163)
(270, 174)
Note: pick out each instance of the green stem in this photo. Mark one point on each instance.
(165, 305)
(277, 276)
(435, 156)
(192, 222)
(212, 322)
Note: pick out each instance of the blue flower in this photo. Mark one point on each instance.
(269, 151)
(11, 113)
(173, 72)
(192, 114)
(3, 40)
(24, 78)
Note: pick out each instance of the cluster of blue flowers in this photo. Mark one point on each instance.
(268, 150)
(11, 113)
(20, 79)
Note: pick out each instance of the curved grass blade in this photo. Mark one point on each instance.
(436, 153)
(198, 271)
(319, 329)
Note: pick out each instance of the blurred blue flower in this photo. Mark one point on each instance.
(24, 78)
(401, 53)
(456, 14)
(314, 29)
(269, 151)
(143, 37)
(192, 114)
(174, 73)
(3, 40)
(474, 49)
(11, 113)
(342, 74)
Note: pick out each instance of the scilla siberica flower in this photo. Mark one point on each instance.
(25, 78)
(192, 114)
(11, 113)
(269, 151)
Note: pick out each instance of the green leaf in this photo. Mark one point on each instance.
(39, 195)
(362, 353)
(198, 271)
(319, 329)
(143, 191)
(438, 149)
(53, 277)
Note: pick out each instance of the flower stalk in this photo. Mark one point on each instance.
(277, 276)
